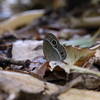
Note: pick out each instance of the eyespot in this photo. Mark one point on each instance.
(49, 37)
(55, 46)
(62, 53)
(54, 42)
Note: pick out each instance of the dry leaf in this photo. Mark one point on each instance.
(29, 49)
(82, 62)
(74, 54)
(38, 61)
(75, 94)
(40, 70)
(97, 54)
(23, 18)
(12, 83)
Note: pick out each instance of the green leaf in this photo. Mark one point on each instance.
(82, 42)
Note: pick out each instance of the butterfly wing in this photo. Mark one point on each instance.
(62, 51)
(50, 53)
(53, 50)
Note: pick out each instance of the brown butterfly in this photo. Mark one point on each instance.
(53, 50)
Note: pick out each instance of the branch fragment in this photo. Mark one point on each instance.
(13, 61)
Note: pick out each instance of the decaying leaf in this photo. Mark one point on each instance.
(40, 70)
(29, 49)
(36, 62)
(81, 62)
(75, 94)
(97, 54)
(74, 54)
(32, 50)
(13, 83)
(24, 18)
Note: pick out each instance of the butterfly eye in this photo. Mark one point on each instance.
(54, 42)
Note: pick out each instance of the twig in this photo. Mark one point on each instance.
(92, 60)
(84, 71)
(69, 85)
(12, 61)
(72, 83)
(77, 69)
(81, 78)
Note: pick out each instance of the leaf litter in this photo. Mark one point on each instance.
(23, 70)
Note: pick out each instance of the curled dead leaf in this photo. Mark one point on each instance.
(81, 62)
(74, 54)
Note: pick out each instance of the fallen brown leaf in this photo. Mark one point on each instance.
(74, 54)
(13, 82)
(23, 18)
(82, 62)
(28, 49)
(78, 94)
(97, 54)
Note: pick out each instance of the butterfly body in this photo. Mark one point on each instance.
(53, 50)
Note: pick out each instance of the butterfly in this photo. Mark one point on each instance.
(52, 49)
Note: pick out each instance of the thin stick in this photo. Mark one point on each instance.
(77, 69)
(12, 61)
